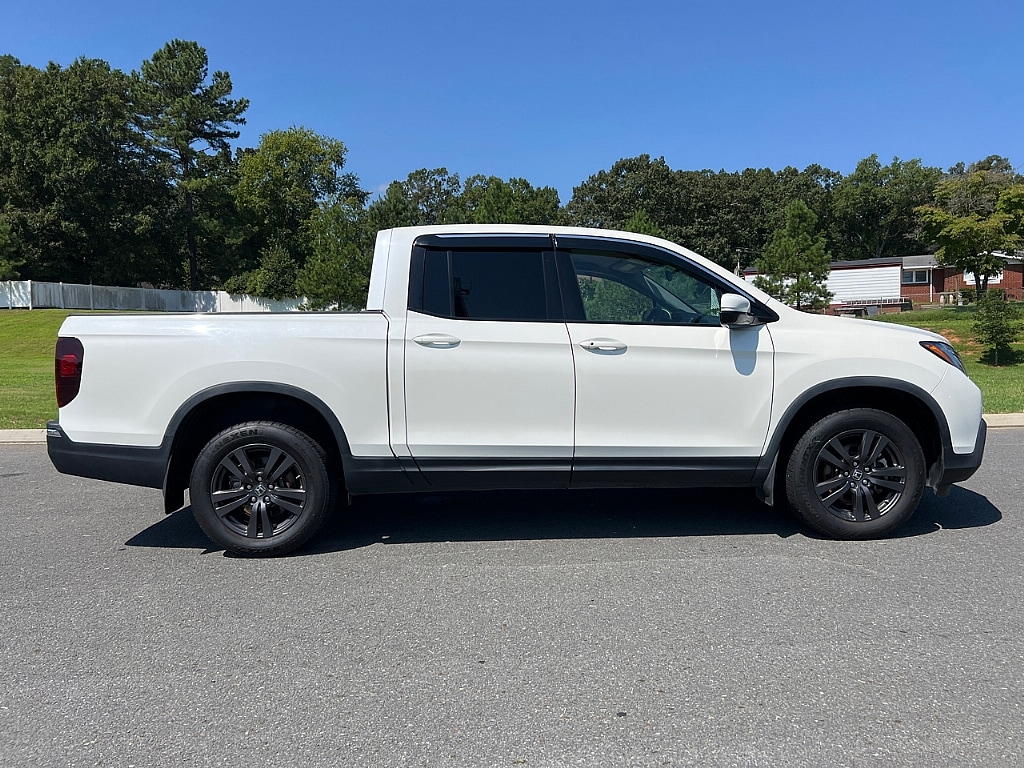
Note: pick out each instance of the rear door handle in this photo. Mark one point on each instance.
(603, 345)
(437, 340)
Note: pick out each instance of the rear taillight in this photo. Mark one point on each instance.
(68, 369)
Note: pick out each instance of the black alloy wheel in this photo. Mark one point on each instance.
(261, 488)
(856, 474)
(859, 475)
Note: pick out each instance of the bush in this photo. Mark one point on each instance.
(996, 327)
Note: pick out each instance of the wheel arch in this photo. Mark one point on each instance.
(214, 409)
(903, 400)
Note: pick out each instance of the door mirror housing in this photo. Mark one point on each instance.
(735, 311)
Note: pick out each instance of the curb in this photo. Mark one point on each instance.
(22, 436)
(38, 436)
(1004, 419)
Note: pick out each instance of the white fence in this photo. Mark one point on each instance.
(31, 294)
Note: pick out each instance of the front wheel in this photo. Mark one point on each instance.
(856, 474)
(261, 488)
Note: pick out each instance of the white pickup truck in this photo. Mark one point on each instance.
(493, 357)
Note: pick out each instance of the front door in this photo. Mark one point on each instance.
(660, 384)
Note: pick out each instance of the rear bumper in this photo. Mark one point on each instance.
(115, 463)
(956, 467)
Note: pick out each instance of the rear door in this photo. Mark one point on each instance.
(489, 378)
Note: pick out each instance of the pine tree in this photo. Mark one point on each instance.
(795, 265)
(187, 121)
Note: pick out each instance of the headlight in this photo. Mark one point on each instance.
(944, 350)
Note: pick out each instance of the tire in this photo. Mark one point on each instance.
(261, 489)
(856, 474)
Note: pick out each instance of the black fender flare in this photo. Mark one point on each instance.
(262, 387)
(764, 474)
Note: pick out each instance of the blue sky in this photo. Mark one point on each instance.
(556, 91)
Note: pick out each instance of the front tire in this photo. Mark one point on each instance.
(261, 489)
(856, 474)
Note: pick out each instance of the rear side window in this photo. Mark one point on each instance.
(485, 284)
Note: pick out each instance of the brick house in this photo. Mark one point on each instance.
(925, 282)
(870, 286)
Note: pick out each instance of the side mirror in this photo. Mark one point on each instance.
(735, 311)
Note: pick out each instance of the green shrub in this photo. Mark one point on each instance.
(996, 327)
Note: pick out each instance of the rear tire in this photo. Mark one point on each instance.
(856, 474)
(261, 489)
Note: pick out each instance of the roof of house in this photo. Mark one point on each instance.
(919, 261)
(923, 261)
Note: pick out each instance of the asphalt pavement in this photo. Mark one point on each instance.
(616, 628)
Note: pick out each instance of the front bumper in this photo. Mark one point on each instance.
(956, 467)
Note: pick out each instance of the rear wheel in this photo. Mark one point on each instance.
(261, 488)
(856, 474)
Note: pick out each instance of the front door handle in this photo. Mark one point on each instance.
(437, 340)
(603, 345)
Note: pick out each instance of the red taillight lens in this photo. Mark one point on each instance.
(68, 369)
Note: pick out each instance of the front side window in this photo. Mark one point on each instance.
(622, 288)
(484, 285)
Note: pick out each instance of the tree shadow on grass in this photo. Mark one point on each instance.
(1007, 357)
(545, 515)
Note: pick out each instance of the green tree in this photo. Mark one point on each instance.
(640, 222)
(426, 197)
(490, 200)
(971, 243)
(754, 204)
(337, 273)
(187, 116)
(228, 236)
(608, 199)
(79, 193)
(794, 266)
(687, 207)
(392, 209)
(282, 182)
(273, 278)
(976, 188)
(9, 261)
(435, 196)
(874, 207)
(715, 213)
(995, 326)
(976, 216)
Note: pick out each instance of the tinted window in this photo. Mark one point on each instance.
(485, 285)
(608, 301)
(622, 288)
(437, 290)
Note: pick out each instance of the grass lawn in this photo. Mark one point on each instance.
(27, 337)
(1002, 385)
